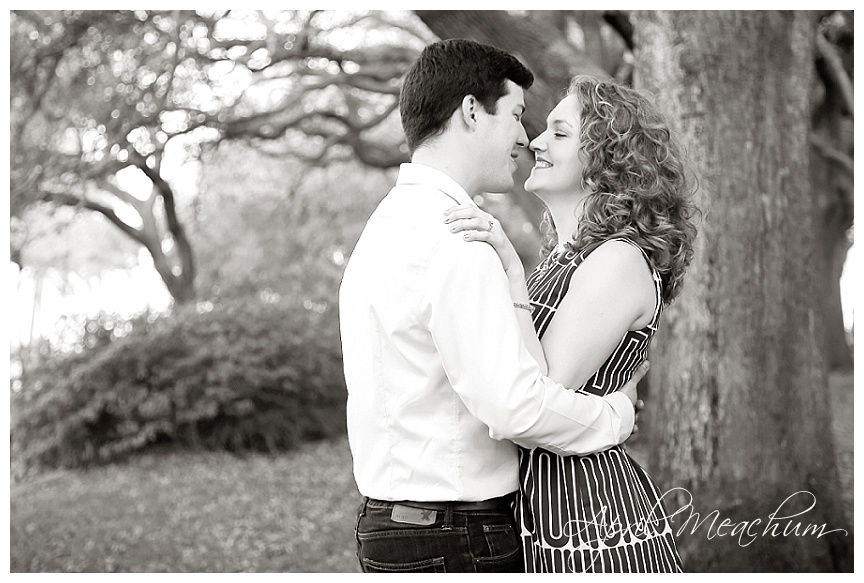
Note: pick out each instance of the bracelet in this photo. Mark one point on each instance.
(522, 306)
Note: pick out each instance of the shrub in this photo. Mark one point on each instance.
(241, 375)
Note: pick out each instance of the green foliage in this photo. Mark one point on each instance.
(240, 375)
(269, 225)
(71, 242)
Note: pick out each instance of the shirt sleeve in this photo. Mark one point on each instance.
(466, 305)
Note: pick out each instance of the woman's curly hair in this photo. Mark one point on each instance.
(639, 186)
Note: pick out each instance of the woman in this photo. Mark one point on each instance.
(618, 203)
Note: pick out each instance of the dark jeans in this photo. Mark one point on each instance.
(447, 541)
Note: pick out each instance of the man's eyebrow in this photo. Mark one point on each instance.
(521, 107)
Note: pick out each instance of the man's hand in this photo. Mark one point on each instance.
(640, 404)
(631, 390)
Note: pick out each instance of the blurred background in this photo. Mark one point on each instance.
(185, 190)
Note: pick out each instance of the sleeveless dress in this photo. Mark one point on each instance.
(600, 512)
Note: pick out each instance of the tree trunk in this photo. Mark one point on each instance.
(179, 275)
(739, 415)
(180, 286)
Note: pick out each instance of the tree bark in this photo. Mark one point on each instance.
(739, 414)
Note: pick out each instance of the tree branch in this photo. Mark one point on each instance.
(619, 20)
(835, 73)
(182, 285)
(106, 211)
(354, 124)
(829, 152)
(301, 51)
(138, 204)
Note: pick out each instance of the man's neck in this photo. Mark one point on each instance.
(449, 163)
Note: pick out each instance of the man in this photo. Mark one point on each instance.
(440, 382)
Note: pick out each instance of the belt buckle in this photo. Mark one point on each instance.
(411, 515)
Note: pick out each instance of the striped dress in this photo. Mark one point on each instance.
(600, 512)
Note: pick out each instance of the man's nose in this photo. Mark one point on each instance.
(523, 139)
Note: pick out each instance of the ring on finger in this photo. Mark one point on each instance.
(491, 224)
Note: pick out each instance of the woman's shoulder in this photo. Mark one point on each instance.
(618, 251)
(621, 269)
(618, 261)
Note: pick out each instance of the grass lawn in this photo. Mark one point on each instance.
(191, 512)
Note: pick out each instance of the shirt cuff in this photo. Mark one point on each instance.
(623, 406)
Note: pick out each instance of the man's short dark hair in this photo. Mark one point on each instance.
(447, 71)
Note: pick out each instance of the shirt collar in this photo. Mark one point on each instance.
(413, 173)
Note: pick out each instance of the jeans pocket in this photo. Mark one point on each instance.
(434, 565)
(502, 541)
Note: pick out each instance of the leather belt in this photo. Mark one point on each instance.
(500, 503)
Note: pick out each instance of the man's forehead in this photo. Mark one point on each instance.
(515, 95)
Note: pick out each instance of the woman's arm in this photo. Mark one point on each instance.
(610, 293)
(519, 294)
(477, 225)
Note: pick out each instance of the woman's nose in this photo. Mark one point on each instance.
(536, 144)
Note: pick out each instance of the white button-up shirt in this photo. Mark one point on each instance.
(440, 383)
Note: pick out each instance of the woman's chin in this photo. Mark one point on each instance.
(535, 188)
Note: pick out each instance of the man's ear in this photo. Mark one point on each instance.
(468, 111)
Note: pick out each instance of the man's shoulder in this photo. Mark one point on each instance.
(418, 197)
(419, 210)
(451, 249)
(412, 216)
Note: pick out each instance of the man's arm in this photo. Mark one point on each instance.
(467, 307)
